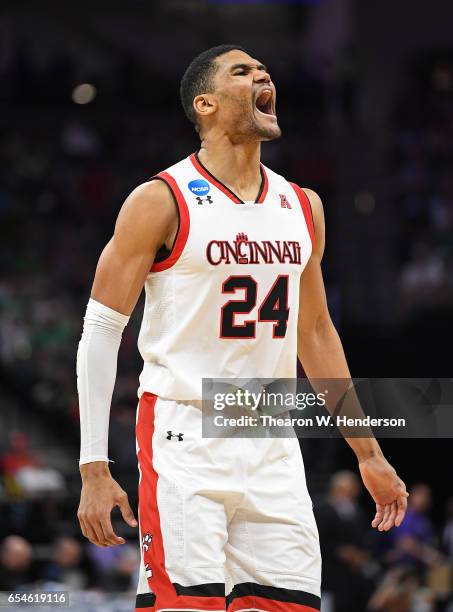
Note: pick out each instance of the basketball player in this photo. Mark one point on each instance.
(229, 253)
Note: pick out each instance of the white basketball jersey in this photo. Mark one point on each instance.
(225, 303)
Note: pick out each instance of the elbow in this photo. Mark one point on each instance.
(317, 333)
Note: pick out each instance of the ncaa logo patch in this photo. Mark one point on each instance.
(199, 187)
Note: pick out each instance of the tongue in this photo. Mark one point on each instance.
(263, 99)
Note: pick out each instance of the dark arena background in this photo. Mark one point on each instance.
(89, 109)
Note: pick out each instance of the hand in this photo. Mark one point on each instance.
(100, 494)
(387, 490)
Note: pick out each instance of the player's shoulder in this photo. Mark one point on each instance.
(148, 195)
(148, 204)
(315, 200)
(157, 195)
(157, 189)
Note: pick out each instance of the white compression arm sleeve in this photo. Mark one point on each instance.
(97, 358)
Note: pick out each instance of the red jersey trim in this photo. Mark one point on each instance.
(224, 189)
(264, 187)
(184, 224)
(306, 209)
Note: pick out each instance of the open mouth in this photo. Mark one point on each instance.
(265, 102)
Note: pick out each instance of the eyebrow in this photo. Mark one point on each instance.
(247, 67)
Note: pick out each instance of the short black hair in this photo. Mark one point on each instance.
(198, 78)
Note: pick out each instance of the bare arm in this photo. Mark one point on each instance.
(148, 219)
(322, 356)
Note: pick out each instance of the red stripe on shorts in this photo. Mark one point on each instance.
(188, 602)
(159, 583)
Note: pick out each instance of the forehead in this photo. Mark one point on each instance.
(227, 60)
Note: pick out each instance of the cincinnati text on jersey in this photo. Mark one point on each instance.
(245, 251)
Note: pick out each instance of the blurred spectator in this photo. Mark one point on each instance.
(68, 567)
(15, 564)
(347, 566)
(423, 280)
(447, 534)
(397, 593)
(104, 559)
(39, 480)
(25, 471)
(414, 541)
(123, 575)
(18, 454)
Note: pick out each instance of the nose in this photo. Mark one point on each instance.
(262, 76)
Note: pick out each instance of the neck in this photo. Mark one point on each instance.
(236, 165)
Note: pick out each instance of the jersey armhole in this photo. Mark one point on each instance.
(305, 204)
(171, 257)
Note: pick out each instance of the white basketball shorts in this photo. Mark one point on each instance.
(225, 524)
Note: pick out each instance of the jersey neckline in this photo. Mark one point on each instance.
(214, 181)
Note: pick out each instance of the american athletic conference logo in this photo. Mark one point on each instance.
(200, 188)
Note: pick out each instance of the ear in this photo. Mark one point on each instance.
(205, 104)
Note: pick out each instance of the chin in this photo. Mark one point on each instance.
(274, 133)
(254, 131)
(268, 133)
(267, 129)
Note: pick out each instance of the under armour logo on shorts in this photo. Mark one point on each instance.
(172, 435)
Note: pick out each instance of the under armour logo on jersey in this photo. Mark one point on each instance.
(146, 541)
(284, 201)
(172, 435)
(205, 200)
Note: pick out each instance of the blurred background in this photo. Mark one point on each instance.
(89, 109)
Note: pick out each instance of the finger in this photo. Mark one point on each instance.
(82, 525)
(83, 528)
(385, 517)
(110, 536)
(95, 525)
(126, 511)
(401, 503)
(88, 532)
(379, 514)
(390, 522)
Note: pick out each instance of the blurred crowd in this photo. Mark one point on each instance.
(423, 162)
(409, 569)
